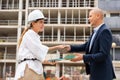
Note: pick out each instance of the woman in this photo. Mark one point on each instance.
(31, 51)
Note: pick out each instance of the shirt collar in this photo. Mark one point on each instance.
(97, 28)
(36, 34)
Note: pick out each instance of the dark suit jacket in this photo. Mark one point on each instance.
(98, 60)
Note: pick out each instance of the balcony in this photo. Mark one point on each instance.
(67, 21)
(9, 6)
(109, 5)
(11, 22)
(74, 21)
(63, 4)
(8, 56)
(8, 39)
(113, 22)
(8, 22)
(64, 38)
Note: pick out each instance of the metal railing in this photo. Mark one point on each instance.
(78, 4)
(8, 39)
(67, 21)
(49, 38)
(8, 22)
(9, 6)
(50, 21)
(43, 4)
(74, 21)
(64, 38)
(7, 56)
(63, 4)
(11, 22)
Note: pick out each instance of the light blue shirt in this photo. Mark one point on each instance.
(93, 36)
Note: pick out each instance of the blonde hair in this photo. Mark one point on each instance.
(21, 37)
(24, 31)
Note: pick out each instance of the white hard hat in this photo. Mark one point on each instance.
(34, 15)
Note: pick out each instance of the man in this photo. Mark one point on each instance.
(97, 59)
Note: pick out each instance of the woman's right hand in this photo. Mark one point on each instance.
(64, 48)
(49, 62)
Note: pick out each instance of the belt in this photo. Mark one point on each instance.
(25, 59)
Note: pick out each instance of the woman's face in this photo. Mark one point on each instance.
(38, 26)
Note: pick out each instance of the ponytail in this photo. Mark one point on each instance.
(21, 37)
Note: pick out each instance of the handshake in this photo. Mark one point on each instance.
(66, 48)
(63, 48)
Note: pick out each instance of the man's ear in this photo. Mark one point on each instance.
(98, 16)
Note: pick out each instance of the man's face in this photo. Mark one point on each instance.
(39, 26)
(92, 18)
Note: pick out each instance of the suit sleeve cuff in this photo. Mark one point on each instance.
(85, 58)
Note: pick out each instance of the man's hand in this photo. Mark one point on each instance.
(64, 48)
(78, 57)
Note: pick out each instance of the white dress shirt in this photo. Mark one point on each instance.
(31, 47)
(93, 36)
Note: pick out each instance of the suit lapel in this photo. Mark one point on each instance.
(97, 35)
